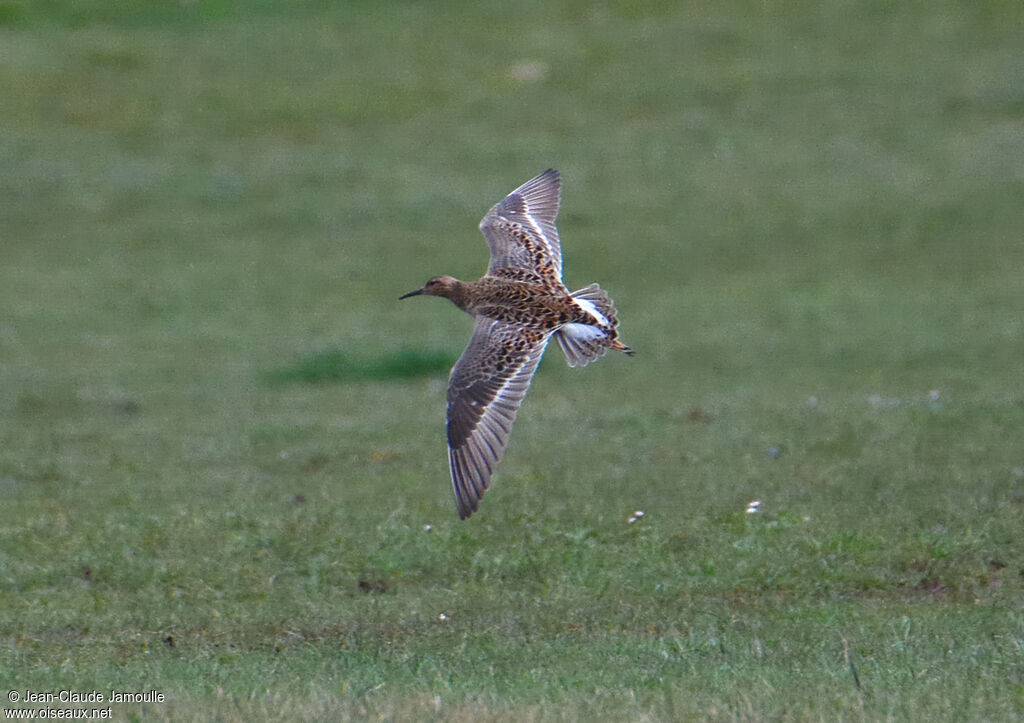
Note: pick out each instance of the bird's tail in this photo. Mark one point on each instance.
(583, 343)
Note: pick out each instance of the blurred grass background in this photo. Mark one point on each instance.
(217, 464)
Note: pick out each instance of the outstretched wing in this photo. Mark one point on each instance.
(520, 230)
(486, 387)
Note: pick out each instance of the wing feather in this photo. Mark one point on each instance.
(483, 402)
(521, 232)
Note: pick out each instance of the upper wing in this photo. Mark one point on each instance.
(520, 230)
(486, 387)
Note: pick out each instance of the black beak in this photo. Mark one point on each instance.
(411, 293)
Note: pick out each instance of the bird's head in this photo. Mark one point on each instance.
(437, 286)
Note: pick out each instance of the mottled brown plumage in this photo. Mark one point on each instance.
(518, 305)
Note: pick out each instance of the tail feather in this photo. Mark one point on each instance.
(599, 298)
(583, 343)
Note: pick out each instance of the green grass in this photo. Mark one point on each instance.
(333, 365)
(222, 462)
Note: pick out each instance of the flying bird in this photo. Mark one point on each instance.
(519, 304)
